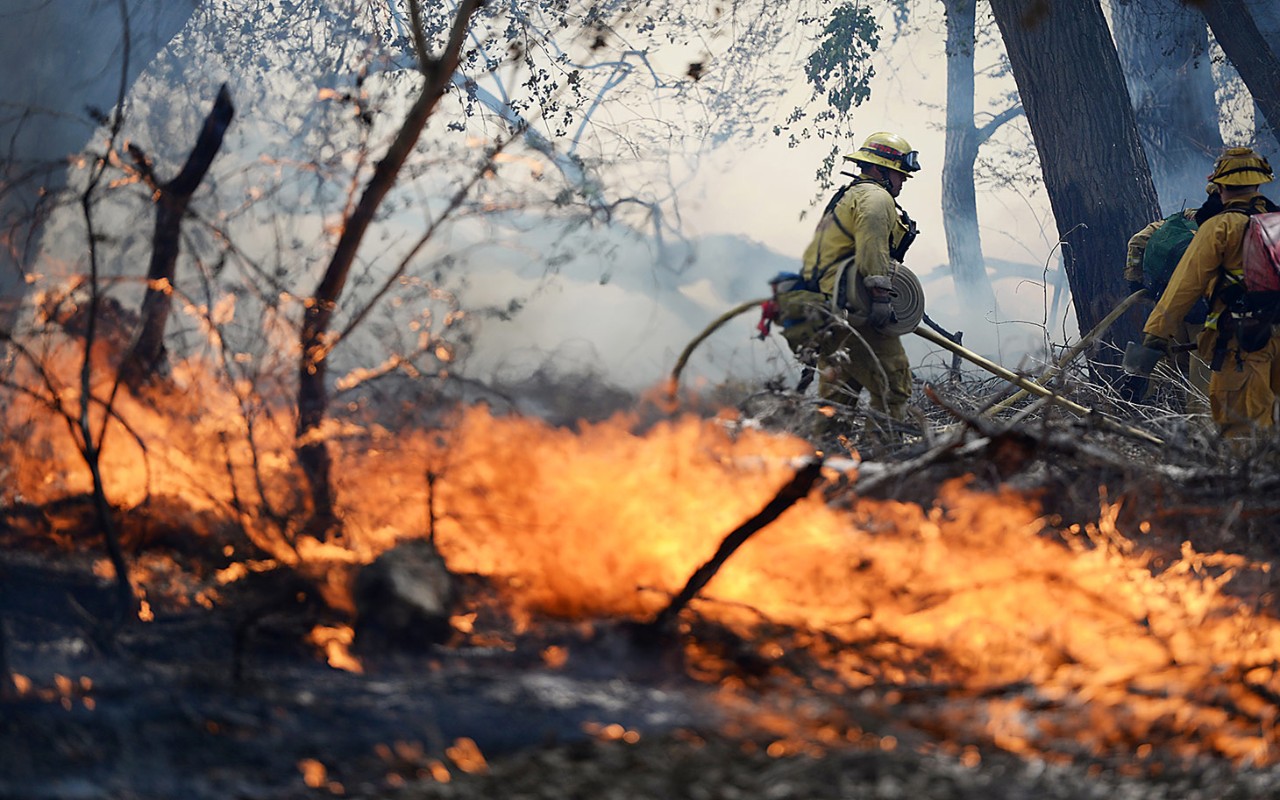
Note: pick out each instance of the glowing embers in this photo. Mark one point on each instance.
(409, 761)
(64, 690)
(336, 641)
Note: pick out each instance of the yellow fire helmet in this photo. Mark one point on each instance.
(1240, 166)
(887, 150)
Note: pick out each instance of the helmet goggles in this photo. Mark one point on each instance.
(904, 162)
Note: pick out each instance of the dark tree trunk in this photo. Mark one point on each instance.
(1266, 14)
(1233, 26)
(959, 196)
(1096, 174)
(147, 354)
(1164, 51)
(316, 339)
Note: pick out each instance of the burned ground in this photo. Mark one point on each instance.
(222, 694)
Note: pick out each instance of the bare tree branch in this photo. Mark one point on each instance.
(172, 199)
(795, 490)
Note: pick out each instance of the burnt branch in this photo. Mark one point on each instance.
(874, 477)
(795, 489)
(172, 199)
(1014, 446)
(455, 202)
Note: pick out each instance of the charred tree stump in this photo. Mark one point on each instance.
(404, 600)
(795, 489)
(146, 357)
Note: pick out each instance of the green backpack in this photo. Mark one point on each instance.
(1164, 250)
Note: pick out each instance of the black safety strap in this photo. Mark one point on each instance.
(899, 253)
(896, 253)
(1231, 292)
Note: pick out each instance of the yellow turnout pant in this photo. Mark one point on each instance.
(851, 360)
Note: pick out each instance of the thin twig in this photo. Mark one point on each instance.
(795, 490)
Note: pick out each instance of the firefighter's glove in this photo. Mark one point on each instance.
(1153, 342)
(880, 290)
(1141, 359)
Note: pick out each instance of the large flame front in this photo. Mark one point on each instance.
(977, 593)
(971, 593)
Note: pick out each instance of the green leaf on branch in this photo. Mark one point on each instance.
(840, 67)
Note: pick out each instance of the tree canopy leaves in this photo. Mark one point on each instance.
(839, 66)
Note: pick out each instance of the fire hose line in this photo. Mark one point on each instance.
(700, 338)
(1035, 388)
(1073, 352)
(964, 352)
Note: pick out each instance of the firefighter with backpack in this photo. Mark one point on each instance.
(1238, 340)
(840, 317)
(1150, 259)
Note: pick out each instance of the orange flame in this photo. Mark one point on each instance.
(977, 595)
(336, 642)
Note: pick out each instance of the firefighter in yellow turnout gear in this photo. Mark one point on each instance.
(1245, 363)
(857, 243)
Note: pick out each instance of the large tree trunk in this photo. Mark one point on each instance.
(1237, 33)
(1164, 52)
(1096, 174)
(1266, 14)
(959, 196)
